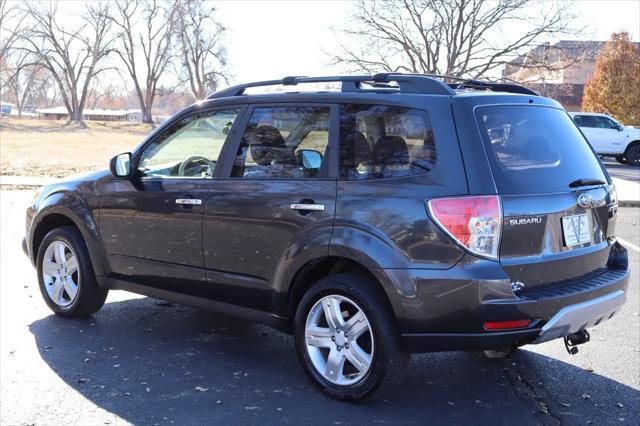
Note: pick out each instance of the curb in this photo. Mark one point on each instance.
(18, 187)
(629, 203)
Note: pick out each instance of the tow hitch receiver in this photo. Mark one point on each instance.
(572, 341)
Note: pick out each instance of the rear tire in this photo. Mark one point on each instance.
(632, 154)
(65, 274)
(386, 359)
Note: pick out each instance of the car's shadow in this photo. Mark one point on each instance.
(150, 362)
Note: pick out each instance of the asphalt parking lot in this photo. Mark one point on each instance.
(622, 171)
(142, 361)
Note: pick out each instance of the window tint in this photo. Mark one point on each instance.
(595, 121)
(535, 150)
(581, 120)
(378, 141)
(607, 123)
(275, 138)
(190, 149)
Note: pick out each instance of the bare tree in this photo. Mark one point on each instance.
(46, 92)
(145, 30)
(203, 55)
(22, 78)
(72, 55)
(469, 38)
(10, 27)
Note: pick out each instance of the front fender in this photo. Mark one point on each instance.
(83, 214)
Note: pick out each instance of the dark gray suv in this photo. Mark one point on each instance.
(401, 213)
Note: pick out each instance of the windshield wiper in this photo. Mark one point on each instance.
(586, 182)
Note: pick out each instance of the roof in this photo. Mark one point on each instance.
(422, 84)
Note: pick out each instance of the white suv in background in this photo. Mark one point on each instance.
(608, 137)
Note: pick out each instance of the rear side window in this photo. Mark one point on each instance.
(378, 141)
(535, 150)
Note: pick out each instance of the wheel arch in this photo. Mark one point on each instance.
(319, 268)
(66, 209)
(630, 144)
(46, 225)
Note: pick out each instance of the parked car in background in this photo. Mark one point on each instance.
(400, 214)
(609, 137)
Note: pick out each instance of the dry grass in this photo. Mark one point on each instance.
(54, 148)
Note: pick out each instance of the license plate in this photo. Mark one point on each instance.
(576, 229)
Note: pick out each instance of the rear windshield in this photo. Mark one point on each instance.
(535, 150)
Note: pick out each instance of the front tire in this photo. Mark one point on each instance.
(65, 274)
(632, 154)
(346, 338)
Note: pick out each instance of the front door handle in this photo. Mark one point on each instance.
(308, 207)
(189, 201)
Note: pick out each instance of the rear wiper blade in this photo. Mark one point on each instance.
(586, 182)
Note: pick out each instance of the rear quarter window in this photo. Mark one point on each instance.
(379, 141)
(534, 150)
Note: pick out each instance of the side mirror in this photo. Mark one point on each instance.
(620, 128)
(310, 160)
(120, 166)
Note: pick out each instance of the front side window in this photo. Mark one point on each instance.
(283, 142)
(190, 149)
(607, 123)
(378, 141)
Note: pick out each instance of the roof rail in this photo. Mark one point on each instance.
(407, 83)
(467, 83)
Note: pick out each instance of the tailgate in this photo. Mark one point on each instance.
(557, 201)
(552, 238)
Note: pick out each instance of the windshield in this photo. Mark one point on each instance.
(535, 150)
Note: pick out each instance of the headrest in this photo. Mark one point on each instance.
(391, 151)
(354, 150)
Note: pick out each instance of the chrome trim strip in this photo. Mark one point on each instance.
(308, 207)
(189, 201)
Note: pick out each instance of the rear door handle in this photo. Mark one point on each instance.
(189, 201)
(308, 207)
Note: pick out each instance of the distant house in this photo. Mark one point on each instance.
(60, 113)
(559, 70)
(6, 109)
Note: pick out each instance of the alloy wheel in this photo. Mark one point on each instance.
(60, 273)
(339, 340)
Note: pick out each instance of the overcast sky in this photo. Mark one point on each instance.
(273, 39)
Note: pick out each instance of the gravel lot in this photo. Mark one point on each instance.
(142, 361)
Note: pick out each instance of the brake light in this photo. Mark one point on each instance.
(506, 325)
(474, 222)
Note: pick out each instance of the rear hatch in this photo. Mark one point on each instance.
(557, 202)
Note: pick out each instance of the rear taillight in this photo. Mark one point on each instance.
(474, 222)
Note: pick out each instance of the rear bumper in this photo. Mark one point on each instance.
(579, 316)
(448, 314)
